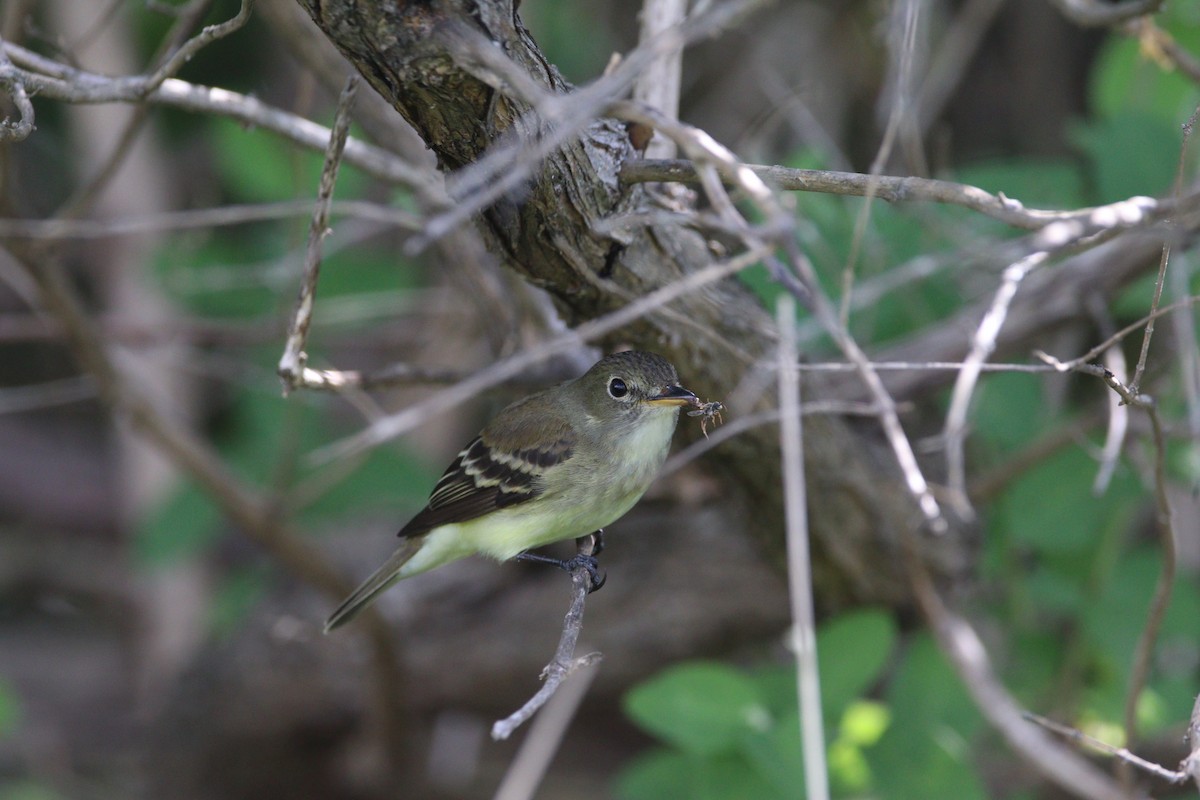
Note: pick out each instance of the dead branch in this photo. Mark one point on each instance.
(564, 662)
(292, 364)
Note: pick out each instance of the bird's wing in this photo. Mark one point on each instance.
(494, 471)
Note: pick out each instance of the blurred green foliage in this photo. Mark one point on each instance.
(1067, 575)
(27, 790)
(248, 276)
(9, 710)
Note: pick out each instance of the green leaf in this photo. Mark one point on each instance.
(657, 774)
(926, 690)
(1129, 154)
(702, 708)
(1115, 621)
(27, 790)
(258, 167)
(926, 750)
(1051, 508)
(1036, 183)
(852, 650)
(665, 774)
(10, 710)
(1009, 411)
(1125, 78)
(777, 757)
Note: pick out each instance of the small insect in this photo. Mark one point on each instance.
(708, 411)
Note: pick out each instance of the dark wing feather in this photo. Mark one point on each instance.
(491, 473)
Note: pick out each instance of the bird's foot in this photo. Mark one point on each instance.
(587, 563)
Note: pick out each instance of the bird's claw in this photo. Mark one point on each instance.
(587, 563)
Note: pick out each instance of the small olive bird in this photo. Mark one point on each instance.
(559, 464)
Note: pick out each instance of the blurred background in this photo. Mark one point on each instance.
(150, 647)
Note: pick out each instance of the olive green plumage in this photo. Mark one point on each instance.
(559, 464)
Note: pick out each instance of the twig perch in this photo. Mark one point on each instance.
(564, 662)
(1187, 767)
(292, 367)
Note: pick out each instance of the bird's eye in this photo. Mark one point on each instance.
(617, 388)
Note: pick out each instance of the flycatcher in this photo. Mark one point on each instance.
(560, 464)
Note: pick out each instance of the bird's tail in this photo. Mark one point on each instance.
(373, 586)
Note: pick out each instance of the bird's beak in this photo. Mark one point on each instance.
(674, 396)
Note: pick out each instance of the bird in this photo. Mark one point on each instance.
(562, 463)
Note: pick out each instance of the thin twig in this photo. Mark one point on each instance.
(982, 346)
(889, 418)
(529, 766)
(779, 231)
(957, 48)
(195, 218)
(208, 35)
(58, 81)
(1078, 736)
(564, 662)
(658, 85)
(292, 362)
(1118, 412)
(1159, 282)
(1098, 350)
(804, 634)
(11, 81)
(1164, 259)
(82, 197)
(1091, 13)
(18, 399)
(740, 425)
(901, 101)
(889, 188)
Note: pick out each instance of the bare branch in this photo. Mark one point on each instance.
(900, 78)
(1092, 13)
(546, 734)
(982, 345)
(892, 189)
(565, 662)
(11, 81)
(1118, 412)
(658, 85)
(59, 81)
(292, 362)
(191, 47)
(196, 218)
(1078, 736)
(804, 633)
